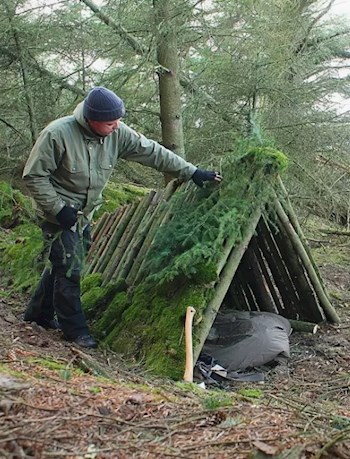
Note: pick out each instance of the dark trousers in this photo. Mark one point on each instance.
(58, 290)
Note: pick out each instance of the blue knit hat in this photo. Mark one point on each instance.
(101, 104)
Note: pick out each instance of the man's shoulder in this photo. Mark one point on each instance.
(61, 124)
(126, 130)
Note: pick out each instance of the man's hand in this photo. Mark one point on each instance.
(67, 217)
(201, 176)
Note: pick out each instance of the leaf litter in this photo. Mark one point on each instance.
(58, 401)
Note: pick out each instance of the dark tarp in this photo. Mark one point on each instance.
(242, 339)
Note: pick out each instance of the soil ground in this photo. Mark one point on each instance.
(58, 401)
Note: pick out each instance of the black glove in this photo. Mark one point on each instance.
(67, 217)
(202, 175)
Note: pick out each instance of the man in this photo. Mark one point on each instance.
(66, 172)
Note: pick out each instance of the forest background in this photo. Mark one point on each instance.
(196, 76)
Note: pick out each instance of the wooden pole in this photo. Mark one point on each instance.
(300, 326)
(102, 258)
(137, 228)
(289, 299)
(125, 239)
(310, 309)
(226, 276)
(123, 223)
(104, 241)
(255, 279)
(266, 272)
(287, 205)
(314, 279)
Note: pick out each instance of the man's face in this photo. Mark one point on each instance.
(104, 128)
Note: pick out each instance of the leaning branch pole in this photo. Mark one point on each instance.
(323, 299)
(226, 277)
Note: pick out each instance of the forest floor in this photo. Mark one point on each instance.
(58, 401)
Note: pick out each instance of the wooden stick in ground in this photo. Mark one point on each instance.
(287, 206)
(188, 375)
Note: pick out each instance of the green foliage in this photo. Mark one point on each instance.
(340, 422)
(65, 374)
(21, 245)
(251, 393)
(217, 400)
(192, 243)
(20, 254)
(15, 208)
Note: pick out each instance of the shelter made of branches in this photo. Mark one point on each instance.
(234, 245)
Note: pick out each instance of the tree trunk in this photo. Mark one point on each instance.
(169, 83)
(24, 74)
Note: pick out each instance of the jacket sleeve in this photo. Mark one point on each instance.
(136, 147)
(41, 164)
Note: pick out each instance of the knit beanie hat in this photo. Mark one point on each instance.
(101, 104)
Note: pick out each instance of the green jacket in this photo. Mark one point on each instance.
(70, 165)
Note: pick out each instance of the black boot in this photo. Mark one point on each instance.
(84, 341)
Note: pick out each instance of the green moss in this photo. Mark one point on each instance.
(151, 326)
(95, 299)
(95, 390)
(111, 316)
(91, 298)
(251, 393)
(90, 281)
(270, 159)
(50, 364)
(21, 240)
(204, 274)
(8, 371)
(118, 194)
(15, 208)
(20, 252)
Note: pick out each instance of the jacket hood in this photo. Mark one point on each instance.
(79, 116)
